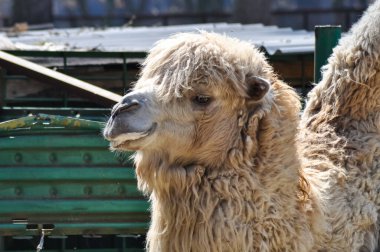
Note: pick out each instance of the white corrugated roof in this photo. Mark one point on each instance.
(273, 39)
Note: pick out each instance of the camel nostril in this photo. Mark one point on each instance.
(125, 107)
(129, 106)
(114, 114)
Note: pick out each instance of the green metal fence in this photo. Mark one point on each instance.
(57, 175)
(326, 38)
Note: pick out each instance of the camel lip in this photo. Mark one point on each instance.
(126, 138)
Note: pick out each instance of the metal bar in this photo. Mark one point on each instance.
(83, 77)
(65, 100)
(69, 156)
(304, 78)
(114, 227)
(77, 54)
(3, 83)
(95, 114)
(72, 174)
(36, 142)
(42, 73)
(98, 225)
(43, 120)
(16, 77)
(125, 75)
(326, 38)
(81, 109)
(74, 190)
(75, 218)
(43, 99)
(83, 250)
(64, 61)
(24, 132)
(73, 207)
(63, 245)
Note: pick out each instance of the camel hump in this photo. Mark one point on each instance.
(350, 85)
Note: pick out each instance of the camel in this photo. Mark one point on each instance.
(226, 161)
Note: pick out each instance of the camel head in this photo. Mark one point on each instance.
(193, 100)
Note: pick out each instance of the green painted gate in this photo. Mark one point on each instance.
(57, 175)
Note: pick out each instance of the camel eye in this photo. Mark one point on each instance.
(202, 99)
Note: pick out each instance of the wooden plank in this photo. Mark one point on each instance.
(32, 70)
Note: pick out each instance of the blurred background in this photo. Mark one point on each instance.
(297, 14)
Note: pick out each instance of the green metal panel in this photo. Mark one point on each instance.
(326, 38)
(97, 114)
(58, 170)
(72, 207)
(46, 122)
(86, 228)
(69, 174)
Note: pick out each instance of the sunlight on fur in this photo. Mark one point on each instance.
(228, 165)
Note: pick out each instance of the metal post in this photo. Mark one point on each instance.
(125, 75)
(303, 79)
(326, 38)
(64, 71)
(3, 87)
(124, 244)
(64, 62)
(2, 243)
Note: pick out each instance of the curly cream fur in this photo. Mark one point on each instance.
(222, 197)
(245, 175)
(340, 141)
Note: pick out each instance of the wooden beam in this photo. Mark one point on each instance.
(32, 70)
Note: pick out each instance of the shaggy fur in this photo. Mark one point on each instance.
(340, 141)
(227, 200)
(242, 174)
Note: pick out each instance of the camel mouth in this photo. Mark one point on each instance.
(123, 140)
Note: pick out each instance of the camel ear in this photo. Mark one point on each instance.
(257, 87)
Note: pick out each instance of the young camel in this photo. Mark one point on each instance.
(226, 163)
